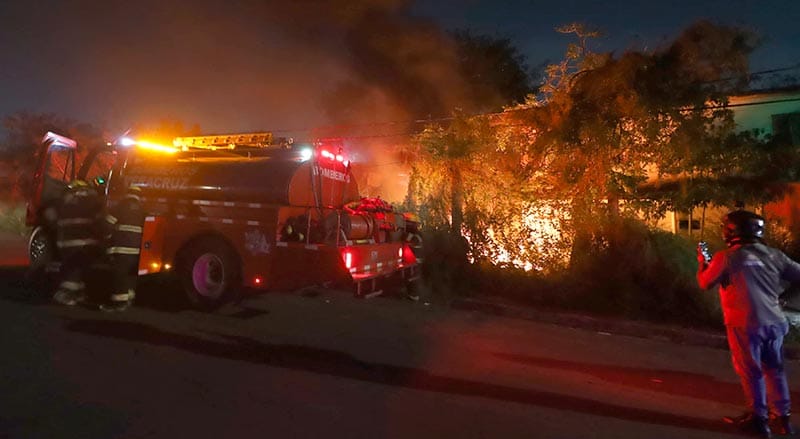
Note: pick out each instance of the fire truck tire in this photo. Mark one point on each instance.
(210, 273)
(41, 250)
(39, 246)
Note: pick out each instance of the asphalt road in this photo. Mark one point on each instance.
(323, 364)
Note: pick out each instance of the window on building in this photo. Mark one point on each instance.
(683, 224)
(786, 128)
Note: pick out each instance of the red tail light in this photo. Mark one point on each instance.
(348, 260)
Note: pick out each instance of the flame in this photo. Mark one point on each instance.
(545, 245)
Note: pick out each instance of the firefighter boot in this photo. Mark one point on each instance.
(64, 298)
(69, 298)
(119, 302)
(785, 426)
(70, 293)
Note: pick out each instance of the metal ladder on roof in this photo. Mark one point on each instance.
(224, 141)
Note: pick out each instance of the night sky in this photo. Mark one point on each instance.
(250, 65)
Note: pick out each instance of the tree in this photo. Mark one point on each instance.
(577, 59)
(605, 123)
(429, 74)
(24, 132)
(580, 151)
(488, 74)
(445, 157)
(470, 181)
(495, 72)
(496, 75)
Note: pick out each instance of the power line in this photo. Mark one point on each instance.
(333, 128)
(747, 104)
(782, 69)
(761, 72)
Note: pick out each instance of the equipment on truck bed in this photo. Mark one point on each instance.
(261, 140)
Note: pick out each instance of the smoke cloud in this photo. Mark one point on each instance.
(230, 66)
(225, 65)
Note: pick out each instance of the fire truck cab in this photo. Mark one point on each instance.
(240, 210)
(60, 162)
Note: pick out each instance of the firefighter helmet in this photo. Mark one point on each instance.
(133, 192)
(77, 183)
(742, 226)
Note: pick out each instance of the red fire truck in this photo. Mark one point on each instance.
(240, 210)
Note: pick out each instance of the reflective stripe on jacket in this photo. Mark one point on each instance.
(73, 243)
(123, 251)
(124, 228)
(77, 222)
(123, 297)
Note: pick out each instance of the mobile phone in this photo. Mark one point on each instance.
(702, 247)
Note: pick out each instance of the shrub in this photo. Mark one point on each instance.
(642, 274)
(516, 284)
(446, 269)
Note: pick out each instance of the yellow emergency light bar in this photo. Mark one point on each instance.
(223, 141)
(144, 144)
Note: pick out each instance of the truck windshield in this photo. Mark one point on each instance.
(101, 166)
(60, 165)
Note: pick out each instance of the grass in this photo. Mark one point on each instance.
(12, 218)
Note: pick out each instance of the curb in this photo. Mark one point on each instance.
(653, 331)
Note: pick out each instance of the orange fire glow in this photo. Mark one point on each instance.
(547, 243)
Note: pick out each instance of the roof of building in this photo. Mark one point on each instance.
(770, 91)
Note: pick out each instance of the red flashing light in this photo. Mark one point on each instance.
(257, 280)
(331, 156)
(348, 259)
(400, 252)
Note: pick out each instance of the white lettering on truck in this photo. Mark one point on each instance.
(161, 182)
(332, 174)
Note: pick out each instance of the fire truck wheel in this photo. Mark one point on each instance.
(210, 273)
(41, 250)
(39, 246)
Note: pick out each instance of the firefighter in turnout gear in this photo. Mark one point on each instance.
(77, 240)
(124, 238)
